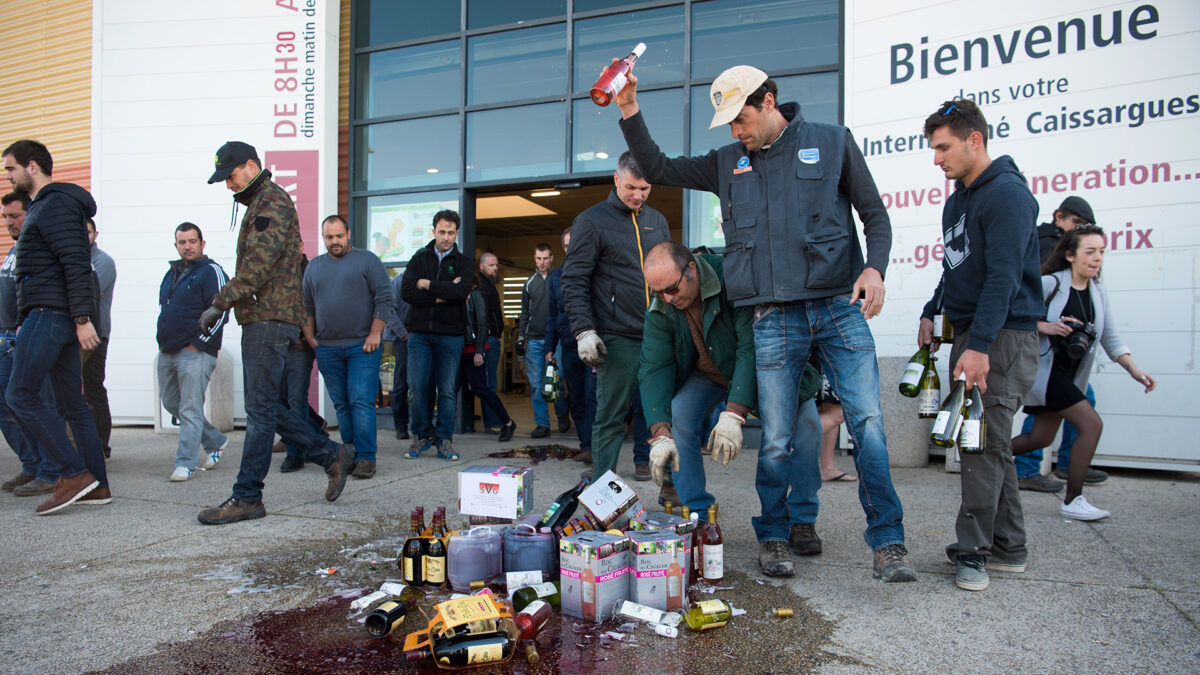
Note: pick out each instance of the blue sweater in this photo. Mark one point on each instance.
(183, 296)
(991, 273)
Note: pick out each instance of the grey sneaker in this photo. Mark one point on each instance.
(970, 574)
(891, 566)
(994, 563)
(774, 560)
(1039, 483)
(1092, 476)
(803, 539)
(36, 486)
(17, 481)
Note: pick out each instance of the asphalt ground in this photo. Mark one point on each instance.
(140, 586)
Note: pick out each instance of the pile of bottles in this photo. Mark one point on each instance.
(958, 422)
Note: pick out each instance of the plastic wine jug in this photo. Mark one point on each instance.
(475, 555)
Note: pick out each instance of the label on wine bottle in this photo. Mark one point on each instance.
(968, 436)
(912, 374)
(714, 561)
(485, 653)
(618, 84)
(533, 607)
(435, 570)
(408, 569)
(711, 606)
(715, 624)
(940, 424)
(929, 402)
(544, 590)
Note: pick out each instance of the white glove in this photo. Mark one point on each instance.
(591, 348)
(662, 448)
(726, 438)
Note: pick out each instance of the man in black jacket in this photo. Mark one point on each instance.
(436, 283)
(606, 298)
(55, 303)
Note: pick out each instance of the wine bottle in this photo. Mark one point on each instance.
(472, 649)
(435, 552)
(929, 401)
(707, 614)
(563, 508)
(945, 427)
(714, 549)
(973, 432)
(914, 372)
(550, 383)
(531, 653)
(697, 551)
(615, 77)
(548, 591)
(670, 508)
(943, 330)
(421, 519)
(533, 618)
(674, 586)
(412, 560)
(386, 618)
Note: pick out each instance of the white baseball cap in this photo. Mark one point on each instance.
(730, 91)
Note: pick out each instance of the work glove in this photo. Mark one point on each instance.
(591, 348)
(209, 319)
(662, 449)
(519, 346)
(726, 438)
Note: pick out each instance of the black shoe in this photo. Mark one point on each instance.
(108, 454)
(540, 432)
(1039, 483)
(291, 463)
(402, 434)
(507, 431)
(803, 539)
(1092, 477)
(564, 424)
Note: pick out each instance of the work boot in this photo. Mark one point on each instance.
(970, 574)
(540, 432)
(291, 463)
(641, 472)
(1039, 483)
(564, 424)
(667, 493)
(66, 491)
(17, 481)
(232, 511)
(774, 560)
(891, 566)
(364, 468)
(34, 487)
(338, 471)
(585, 455)
(803, 539)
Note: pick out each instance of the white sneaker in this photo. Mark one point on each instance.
(181, 474)
(1080, 509)
(213, 457)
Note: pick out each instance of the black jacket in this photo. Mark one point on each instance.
(1048, 235)
(428, 315)
(495, 314)
(182, 297)
(477, 321)
(602, 283)
(54, 269)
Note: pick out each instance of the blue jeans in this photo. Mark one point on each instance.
(641, 431)
(535, 369)
(297, 376)
(352, 378)
(691, 422)
(400, 385)
(33, 461)
(182, 382)
(433, 375)
(264, 352)
(837, 333)
(47, 347)
(581, 395)
(492, 364)
(1030, 463)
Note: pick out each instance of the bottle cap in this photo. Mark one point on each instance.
(639, 49)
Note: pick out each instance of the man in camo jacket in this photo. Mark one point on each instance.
(266, 300)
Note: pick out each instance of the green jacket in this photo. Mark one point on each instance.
(669, 354)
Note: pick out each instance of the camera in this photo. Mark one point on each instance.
(1077, 344)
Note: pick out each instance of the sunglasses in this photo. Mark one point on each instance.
(672, 289)
(949, 109)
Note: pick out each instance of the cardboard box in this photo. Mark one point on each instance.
(495, 491)
(608, 503)
(659, 520)
(594, 574)
(659, 569)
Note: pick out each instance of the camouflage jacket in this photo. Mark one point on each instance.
(266, 285)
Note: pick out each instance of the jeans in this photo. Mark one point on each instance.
(616, 380)
(691, 422)
(837, 332)
(182, 382)
(400, 385)
(492, 364)
(352, 378)
(297, 376)
(641, 431)
(535, 369)
(47, 347)
(581, 395)
(92, 370)
(264, 351)
(1030, 463)
(433, 375)
(475, 378)
(34, 462)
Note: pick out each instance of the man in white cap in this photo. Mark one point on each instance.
(792, 252)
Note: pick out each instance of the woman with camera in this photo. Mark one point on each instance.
(1078, 317)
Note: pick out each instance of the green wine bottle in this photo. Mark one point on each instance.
(549, 591)
(945, 427)
(930, 399)
(707, 614)
(910, 381)
(974, 429)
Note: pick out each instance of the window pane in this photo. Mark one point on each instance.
(398, 225)
(409, 80)
(516, 142)
(598, 41)
(407, 154)
(589, 5)
(484, 13)
(517, 65)
(598, 141)
(381, 21)
(817, 95)
(767, 34)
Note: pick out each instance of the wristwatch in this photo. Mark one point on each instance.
(80, 320)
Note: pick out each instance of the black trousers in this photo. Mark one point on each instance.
(94, 392)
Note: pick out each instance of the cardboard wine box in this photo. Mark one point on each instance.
(594, 574)
(608, 503)
(504, 492)
(659, 569)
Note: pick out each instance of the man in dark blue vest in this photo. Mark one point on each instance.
(791, 251)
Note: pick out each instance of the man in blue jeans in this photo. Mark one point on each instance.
(187, 357)
(348, 299)
(531, 339)
(55, 305)
(792, 253)
(436, 284)
(579, 378)
(398, 334)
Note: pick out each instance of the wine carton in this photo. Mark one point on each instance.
(594, 574)
(608, 503)
(659, 520)
(495, 491)
(659, 569)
